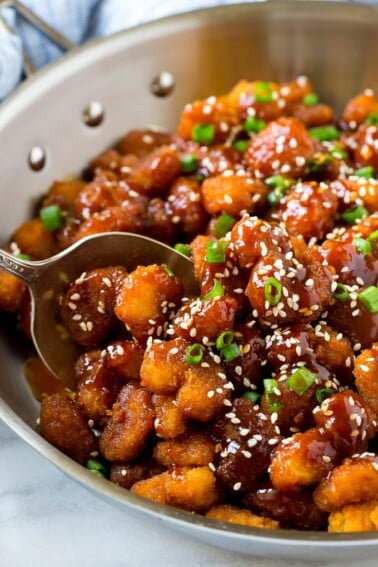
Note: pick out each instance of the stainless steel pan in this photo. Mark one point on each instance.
(45, 124)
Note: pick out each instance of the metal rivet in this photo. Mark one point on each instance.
(37, 158)
(163, 85)
(93, 114)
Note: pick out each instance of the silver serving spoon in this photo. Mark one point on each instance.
(48, 279)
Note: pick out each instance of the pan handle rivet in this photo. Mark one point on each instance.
(37, 158)
(93, 114)
(163, 84)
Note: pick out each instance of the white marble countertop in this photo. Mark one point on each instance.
(46, 519)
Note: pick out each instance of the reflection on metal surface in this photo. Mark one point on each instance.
(37, 158)
(163, 85)
(93, 114)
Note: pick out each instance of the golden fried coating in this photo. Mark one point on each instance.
(366, 373)
(234, 515)
(188, 450)
(353, 482)
(192, 489)
(355, 518)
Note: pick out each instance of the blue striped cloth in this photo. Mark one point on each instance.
(79, 20)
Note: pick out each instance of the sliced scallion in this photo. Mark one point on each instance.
(341, 292)
(322, 394)
(51, 217)
(310, 99)
(362, 245)
(183, 249)
(189, 163)
(97, 468)
(216, 252)
(367, 172)
(272, 392)
(369, 297)
(223, 224)
(194, 354)
(324, 133)
(253, 124)
(203, 133)
(272, 291)
(240, 145)
(372, 120)
(216, 291)
(263, 92)
(251, 396)
(351, 215)
(301, 380)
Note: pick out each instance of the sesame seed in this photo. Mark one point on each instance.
(326, 459)
(237, 486)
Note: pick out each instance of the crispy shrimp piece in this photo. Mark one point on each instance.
(33, 239)
(188, 450)
(252, 237)
(343, 429)
(64, 193)
(65, 427)
(356, 190)
(169, 422)
(88, 304)
(284, 290)
(97, 386)
(131, 423)
(366, 373)
(243, 517)
(283, 147)
(233, 193)
(309, 209)
(366, 152)
(164, 366)
(142, 142)
(129, 473)
(193, 489)
(215, 111)
(12, 291)
(144, 301)
(355, 518)
(204, 392)
(201, 321)
(353, 482)
(359, 108)
(243, 99)
(154, 173)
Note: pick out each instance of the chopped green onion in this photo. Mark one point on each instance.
(350, 216)
(373, 237)
(251, 396)
(341, 292)
(240, 145)
(216, 252)
(368, 172)
(369, 297)
(272, 290)
(310, 99)
(231, 351)
(23, 256)
(203, 133)
(318, 162)
(97, 468)
(372, 120)
(362, 245)
(216, 291)
(189, 163)
(183, 249)
(224, 339)
(322, 394)
(279, 182)
(275, 197)
(168, 271)
(223, 224)
(339, 153)
(51, 217)
(263, 92)
(301, 380)
(253, 124)
(194, 354)
(272, 392)
(324, 133)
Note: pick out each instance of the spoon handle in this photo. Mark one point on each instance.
(17, 267)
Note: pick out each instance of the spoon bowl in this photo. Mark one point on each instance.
(48, 279)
